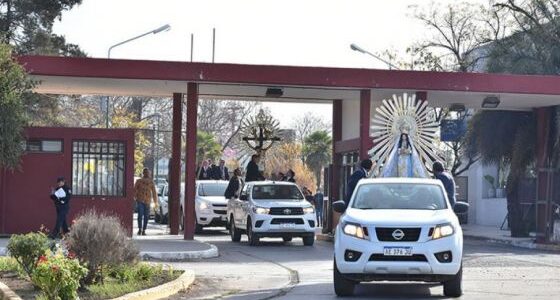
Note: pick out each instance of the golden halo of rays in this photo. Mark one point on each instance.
(404, 112)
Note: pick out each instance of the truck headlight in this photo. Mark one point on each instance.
(442, 230)
(354, 230)
(261, 210)
(308, 210)
(203, 205)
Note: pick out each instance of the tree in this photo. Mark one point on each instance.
(318, 152)
(27, 25)
(507, 137)
(305, 124)
(124, 119)
(286, 156)
(14, 86)
(207, 147)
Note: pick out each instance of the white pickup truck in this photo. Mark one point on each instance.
(271, 209)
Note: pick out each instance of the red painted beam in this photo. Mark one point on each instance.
(175, 164)
(365, 107)
(190, 160)
(289, 75)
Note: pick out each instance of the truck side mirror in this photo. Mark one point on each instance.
(461, 207)
(339, 206)
(243, 197)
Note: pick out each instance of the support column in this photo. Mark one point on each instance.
(365, 107)
(334, 190)
(190, 160)
(175, 165)
(543, 189)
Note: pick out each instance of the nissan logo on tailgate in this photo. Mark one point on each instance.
(287, 211)
(398, 234)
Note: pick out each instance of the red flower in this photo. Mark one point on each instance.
(55, 268)
(42, 259)
(71, 255)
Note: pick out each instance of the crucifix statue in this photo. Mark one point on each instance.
(259, 133)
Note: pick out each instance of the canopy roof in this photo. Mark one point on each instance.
(65, 75)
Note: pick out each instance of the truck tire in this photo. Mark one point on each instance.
(343, 287)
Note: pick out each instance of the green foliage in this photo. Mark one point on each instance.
(125, 279)
(27, 25)
(100, 241)
(14, 85)
(58, 276)
(122, 118)
(207, 146)
(26, 249)
(318, 152)
(9, 264)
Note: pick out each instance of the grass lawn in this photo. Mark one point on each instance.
(117, 281)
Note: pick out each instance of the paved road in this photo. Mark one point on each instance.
(276, 270)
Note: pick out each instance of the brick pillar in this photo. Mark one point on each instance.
(365, 107)
(190, 160)
(542, 205)
(175, 164)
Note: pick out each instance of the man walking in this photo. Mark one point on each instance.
(252, 172)
(61, 197)
(362, 172)
(235, 185)
(319, 197)
(145, 192)
(446, 179)
(221, 172)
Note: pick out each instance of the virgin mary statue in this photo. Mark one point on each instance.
(404, 161)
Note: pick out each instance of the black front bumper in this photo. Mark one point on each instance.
(399, 277)
(284, 234)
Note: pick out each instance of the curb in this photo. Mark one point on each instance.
(181, 255)
(526, 245)
(162, 291)
(7, 294)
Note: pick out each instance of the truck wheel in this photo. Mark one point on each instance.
(454, 287)
(157, 217)
(234, 232)
(197, 227)
(309, 240)
(342, 287)
(253, 238)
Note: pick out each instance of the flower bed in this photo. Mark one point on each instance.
(116, 283)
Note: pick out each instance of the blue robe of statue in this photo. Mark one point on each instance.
(404, 161)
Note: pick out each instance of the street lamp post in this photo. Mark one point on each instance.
(359, 49)
(163, 28)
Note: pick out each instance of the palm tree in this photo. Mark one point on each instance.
(207, 146)
(509, 137)
(318, 152)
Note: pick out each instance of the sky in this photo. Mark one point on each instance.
(279, 32)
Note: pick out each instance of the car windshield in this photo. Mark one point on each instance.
(212, 189)
(399, 196)
(280, 191)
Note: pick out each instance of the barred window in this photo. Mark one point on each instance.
(98, 168)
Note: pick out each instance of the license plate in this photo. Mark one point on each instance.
(288, 225)
(397, 251)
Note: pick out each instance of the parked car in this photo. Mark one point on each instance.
(398, 229)
(271, 209)
(161, 214)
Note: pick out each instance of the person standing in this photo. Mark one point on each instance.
(362, 172)
(447, 181)
(204, 172)
(252, 172)
(319, 197)
(61, 197)
(290, 176)
(145, 192)
(221, 172)
(233, 189)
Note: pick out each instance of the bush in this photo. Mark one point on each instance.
(27, 248)
(58, 276)
(100, 241)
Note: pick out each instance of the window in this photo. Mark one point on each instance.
(212, 189)
(48, 146)
(98, 168)
(399, 196)
(269, 192)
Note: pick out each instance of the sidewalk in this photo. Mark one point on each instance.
(494, 234)
(488, 233)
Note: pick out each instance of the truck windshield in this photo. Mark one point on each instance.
(212, 189)
(276, 192)
(399, 196)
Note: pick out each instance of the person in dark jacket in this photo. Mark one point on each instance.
(447, 181)
(290, 176)
(235, 184)
(220, 172)
(362, 172)
(252, 171)
(61, 196)
(205, 171)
